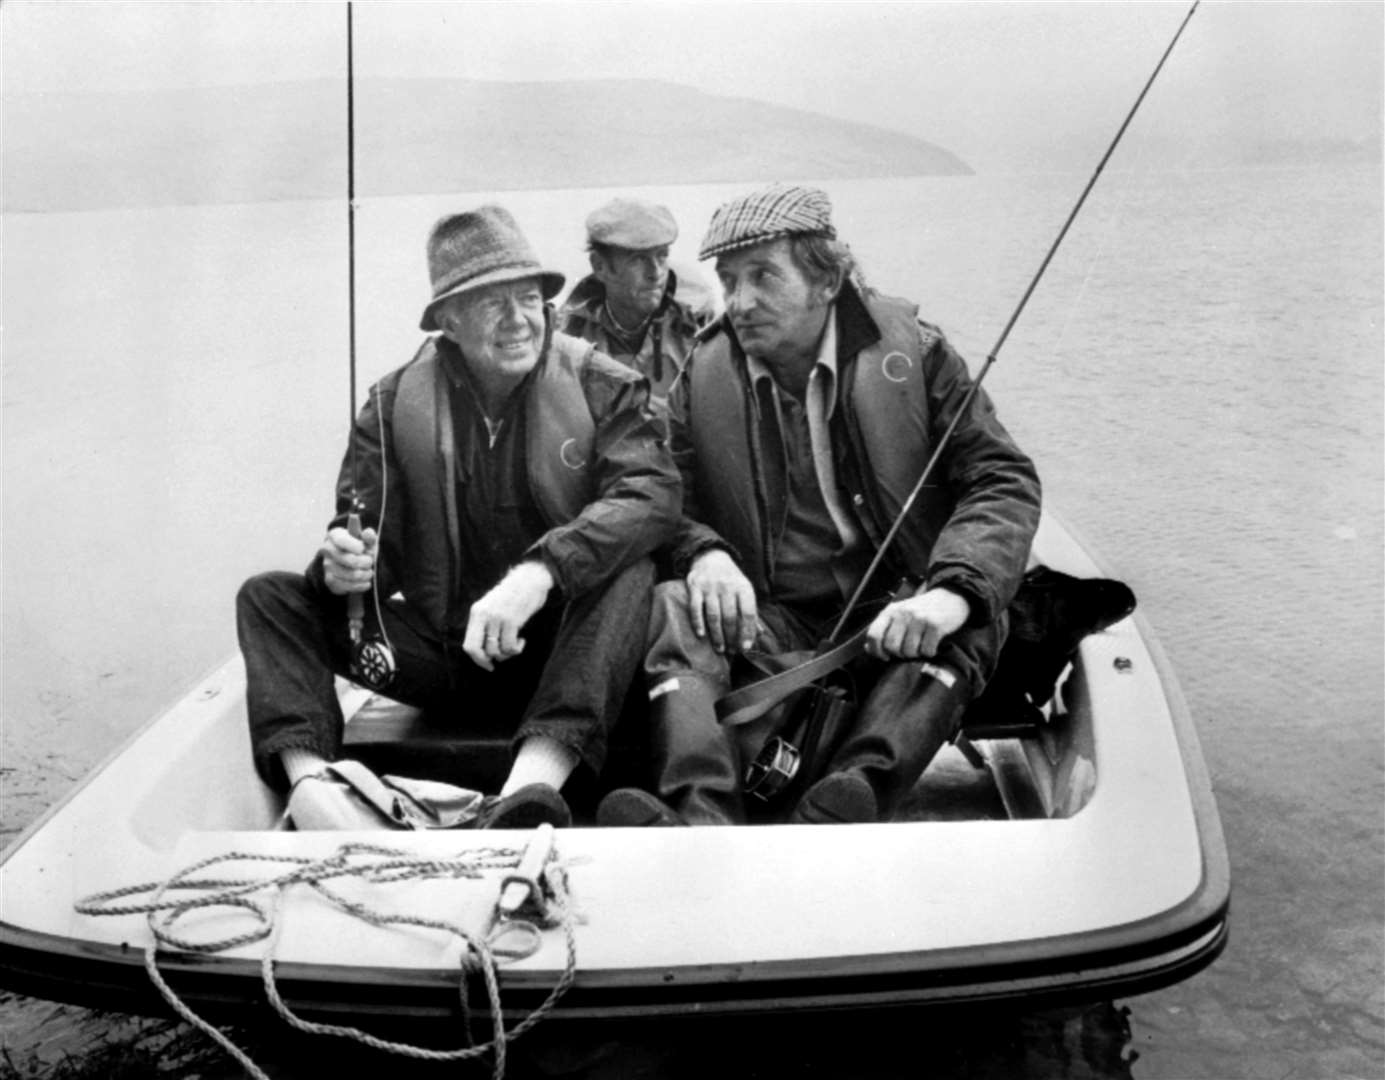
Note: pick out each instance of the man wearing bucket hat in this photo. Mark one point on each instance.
(510, 483)
(801, 422)
(632, 305)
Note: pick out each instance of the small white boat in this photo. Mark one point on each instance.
(1084, 860)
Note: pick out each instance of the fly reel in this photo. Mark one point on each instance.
(773, 769)
(372, 663)
(818, 723)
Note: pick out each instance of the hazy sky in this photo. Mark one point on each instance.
(978, 78)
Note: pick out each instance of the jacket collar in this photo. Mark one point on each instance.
(856, 329)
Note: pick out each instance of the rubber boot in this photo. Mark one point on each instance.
(911, 713)
(696, 771)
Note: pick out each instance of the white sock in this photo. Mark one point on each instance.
(299, 762)
(540, 760)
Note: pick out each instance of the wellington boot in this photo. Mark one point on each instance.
(837, 799)
(634, 808)
(696, 768)
(906, 719)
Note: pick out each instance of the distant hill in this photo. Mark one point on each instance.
(69, 151)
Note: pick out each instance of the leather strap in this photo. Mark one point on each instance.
(753, 701)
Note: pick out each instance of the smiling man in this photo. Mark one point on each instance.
(632, 305)
(801, 422)
(511, 482)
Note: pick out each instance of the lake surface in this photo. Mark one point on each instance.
(1200, 378)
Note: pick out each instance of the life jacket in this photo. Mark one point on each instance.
(884, 404)
(559, 434)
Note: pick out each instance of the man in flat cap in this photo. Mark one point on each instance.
(801, 423)
(510, 484)
(632, 306)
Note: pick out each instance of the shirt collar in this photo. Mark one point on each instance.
(826, 362)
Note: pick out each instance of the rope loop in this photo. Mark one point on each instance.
(169, 903)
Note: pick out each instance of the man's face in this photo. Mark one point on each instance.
(634, 280)
(497, 327)
(777, 312)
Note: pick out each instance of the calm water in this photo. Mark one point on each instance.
(1199, 378)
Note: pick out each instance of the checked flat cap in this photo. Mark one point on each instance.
(772, 212)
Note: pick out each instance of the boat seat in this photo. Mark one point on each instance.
(1015, 723)
(401, 740)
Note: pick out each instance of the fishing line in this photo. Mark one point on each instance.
(1113, 223)
(387, 659)
(970, 395)
(1092, 263)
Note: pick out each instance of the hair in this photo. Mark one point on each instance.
(824, 259)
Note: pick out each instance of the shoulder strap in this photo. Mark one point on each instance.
(753, 701)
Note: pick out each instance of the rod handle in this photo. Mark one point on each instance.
(355, 602)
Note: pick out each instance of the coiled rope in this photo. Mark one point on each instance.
(263, 898)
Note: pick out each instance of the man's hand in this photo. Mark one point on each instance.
(913, 628)
(721, 601)
(348, 562)
(493, 626)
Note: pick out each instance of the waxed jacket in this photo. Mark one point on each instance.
(899, 385)
(668, 341)
(597, 466)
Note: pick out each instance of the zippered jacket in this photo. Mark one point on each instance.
(597, 467)
(899, 386)
(667, 342)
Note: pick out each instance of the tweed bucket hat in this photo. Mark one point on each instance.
(480, 247)
(767, 214)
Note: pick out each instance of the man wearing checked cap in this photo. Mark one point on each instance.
(800, 424)
(511, 484)
(632, 305)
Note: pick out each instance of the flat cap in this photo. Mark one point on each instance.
(631, 223)
(767, 214)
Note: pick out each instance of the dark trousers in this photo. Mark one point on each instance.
(906, 714)
(569, 683)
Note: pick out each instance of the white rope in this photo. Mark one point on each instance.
(372, 863)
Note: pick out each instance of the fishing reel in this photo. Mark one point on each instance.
(773, 770)
(372, 663)
(372, 659)
(815, 727)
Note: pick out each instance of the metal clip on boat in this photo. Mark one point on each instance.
(522, 891)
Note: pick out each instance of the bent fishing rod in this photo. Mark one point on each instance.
(843, 620)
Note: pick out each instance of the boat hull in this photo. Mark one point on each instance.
(1119, 884)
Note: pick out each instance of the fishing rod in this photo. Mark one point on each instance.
(355, 602)
(372, 658)
(991, 356)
